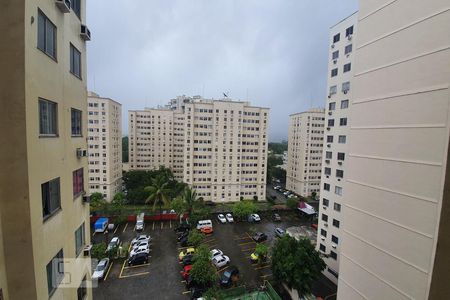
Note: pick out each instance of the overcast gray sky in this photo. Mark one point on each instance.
(144, 52)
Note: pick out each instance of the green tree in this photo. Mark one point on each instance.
(202, 252)
(242, 209)
(98, 251)
(203, 272)
(178, 205)
(292, 203)
(195, 238)
(296, 263)
(278, 148)
(191, 199)
(98, 203)
(213, 293)
(125, 149)
(200, 212)
(261, 250)
(158, 192)
(313, 195)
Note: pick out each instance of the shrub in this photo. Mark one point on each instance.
(195, 238)
(98, 251)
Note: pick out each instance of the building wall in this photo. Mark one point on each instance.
(305, 148)
(398, 150)
(105, 146)
(332, 200)
(30, 160)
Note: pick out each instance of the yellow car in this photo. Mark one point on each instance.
(254, 257)
(186, 252)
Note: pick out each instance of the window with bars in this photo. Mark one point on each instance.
(76, 122)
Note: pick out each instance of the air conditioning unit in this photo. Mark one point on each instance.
(345, 92)
(85, 34)
(339, 179)
(329, 145)
(327, 161)
(334, 61)
(86, 198)
(81, 153)
(349, 37)
(328, 176)
(340, 163)
(328, 128)
(348, 55)
(330, 113)
(324, 207)
(329, 96)
(63, 5)
(325, 224)
(322, 238)
(334, 246)
(332, 46)
(87, 250)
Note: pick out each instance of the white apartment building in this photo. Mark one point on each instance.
(105, 145)
(396, 234)
(334, 162)
(305, 147)
(218, 147)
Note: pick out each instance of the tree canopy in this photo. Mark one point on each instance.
(242, 209)
(203, 272)
(158, 192)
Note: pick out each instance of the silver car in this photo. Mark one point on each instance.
(101, 269)
(220, 261)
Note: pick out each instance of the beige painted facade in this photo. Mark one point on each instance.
(335, 146)
(104, 146)
(29, 159)
(393, 246)
(305, 146)
(218, 147)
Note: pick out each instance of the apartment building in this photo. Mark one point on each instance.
(105, 146)
(396, 229)
(44, 214)
(337, 124)
(218, 147)
(305, 147)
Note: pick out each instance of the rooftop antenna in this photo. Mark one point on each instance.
(225, 94)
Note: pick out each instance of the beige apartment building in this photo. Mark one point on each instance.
(105, 146)
(335, 146)
(218, 147)
(305, 147)
(396, 234)
(44, 214)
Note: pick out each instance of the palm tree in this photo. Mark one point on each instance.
(158, 192)
(190, 197)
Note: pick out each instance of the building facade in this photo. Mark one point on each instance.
(218, 147)
(305, 147)
(105, 146)
(396, 234)
(44, 214)
(335, 150)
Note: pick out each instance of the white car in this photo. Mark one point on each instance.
(141, 244)
(101, 269)
(254, 218)
(141, 238)
(229, 218)
(220, 261)
(221, 218)
(140, 225)
(137, 250)
(115, 242)
(215, 252)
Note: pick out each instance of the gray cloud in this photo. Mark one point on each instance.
(144, 53)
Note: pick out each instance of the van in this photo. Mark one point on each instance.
(140, 222)
(204, 223)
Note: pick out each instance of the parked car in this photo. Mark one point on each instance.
(182, 235)
(197, 292)
(215, 252)
(204, 223)
(186, 271)
(286, 193)
(206, 230)
(229, 218)
(259, 237)
(141, 244)
(229, 276)
(141, 238)
(210, 203)
(141, 249)
(101, 269)
(182, 227)
(138, 259)
(186, 252)
(254, 257)
(276, 217)
(115, 242)
(254, 218)
(187, 260)
(292, 196)
(277, 187)
(220, 261)
(184, 241)
(221, 218)
(279, 232)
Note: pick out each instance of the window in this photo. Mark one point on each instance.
(330, 122)
(347, 67)
(334, 72)
(343, 122)
(76, 7)
(329, 138)
(77, 180)
(325, 202)
(344, 104)
(327, 171)
(342, 139)
(333, 90)
(349, 31)
(335, 239)
(333, 272)
(76, 122)
(46, 41)
(337, 207)
(322, 248)
(326, 186)
(328, 155)
(348, 49)
(55, 272)
(324, 218)
(51, 198)
(335, 54)
(323, 232)
(75, 61)
(338, 190)
(332, 106)
(48, 117)
(79, 239)
(341, 156)
(336, 38)
(333, 255)
(346, 87)
(339, 173)
(82, 291)
(336, 223)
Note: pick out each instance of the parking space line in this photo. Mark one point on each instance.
(223, 269)
(125, 228)
(263, 267)
(107, 272)
(242, 244)
(186, 292)
(264, 276)
(249, 235)
(137, 266)
(123, 265)
(105, 232)
(240, 238)
(133, 275)
(162, 225)
(248, 249)
(153, 225)
(170, 223)
(115, 230)
(212, 246)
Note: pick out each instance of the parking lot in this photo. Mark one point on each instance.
(161, 279)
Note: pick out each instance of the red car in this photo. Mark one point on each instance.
(186, 271)
(206, 230)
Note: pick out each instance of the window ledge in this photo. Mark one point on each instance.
(46, 218)
(79, 77)
(48, 135)
(76, 135)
